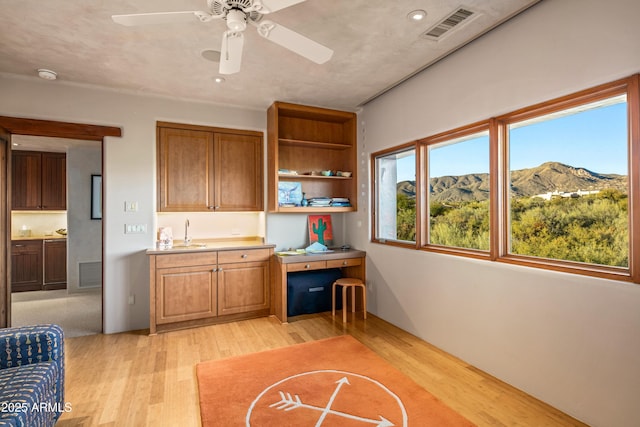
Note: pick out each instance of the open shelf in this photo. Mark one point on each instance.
(297, 177)
(306, 143)
(305, 139)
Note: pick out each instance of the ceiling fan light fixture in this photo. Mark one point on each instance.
(236, 20)
(43, 73)
(219, 79)
(416, 15)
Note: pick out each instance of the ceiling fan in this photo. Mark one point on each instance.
(237, 13)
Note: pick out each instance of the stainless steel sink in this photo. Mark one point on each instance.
(190, 246)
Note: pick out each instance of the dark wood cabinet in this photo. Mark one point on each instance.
(55, 264)
(26, 265)
(209, 169)
(39, 180)
(38, 265)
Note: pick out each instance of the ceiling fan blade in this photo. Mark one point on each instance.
(155, 18)
(231, 52)
(295, 42)
(270, 6)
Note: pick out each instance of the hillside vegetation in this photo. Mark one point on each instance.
(590, 229)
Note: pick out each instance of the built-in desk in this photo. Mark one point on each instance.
(352, 263)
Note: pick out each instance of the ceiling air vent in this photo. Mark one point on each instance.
(444, 27)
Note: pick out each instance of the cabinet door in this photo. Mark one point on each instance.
(185, 170)
(55, 262)
(243, 287)
(238, 172)
(26, 184)
(26, 265)
(185, 293)
(54, 181)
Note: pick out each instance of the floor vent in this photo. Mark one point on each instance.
(444, 27)
(90, 274)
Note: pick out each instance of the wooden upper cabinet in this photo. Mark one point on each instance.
(185, 165)
(302, 142)
(238, 172)
(39, 180)
(54, 181)
(209, 169)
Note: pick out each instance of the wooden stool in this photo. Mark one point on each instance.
(347, 282)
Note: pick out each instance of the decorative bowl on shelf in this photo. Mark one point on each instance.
(326, 173)
(344, 174)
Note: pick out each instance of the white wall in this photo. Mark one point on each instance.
(129, 171)
(84, 236)
(572, 341)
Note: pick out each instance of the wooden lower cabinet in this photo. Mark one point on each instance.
(26, 265)
(185, 293)
(38, 265)
(55, 264)
(201, 288)
(243, 287)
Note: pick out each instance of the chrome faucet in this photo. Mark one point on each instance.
(187, 238)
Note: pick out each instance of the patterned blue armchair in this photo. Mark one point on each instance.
(31, 375)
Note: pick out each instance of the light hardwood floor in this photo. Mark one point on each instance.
(132, 379)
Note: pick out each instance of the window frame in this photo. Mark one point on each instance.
(425, 143)
(374, 195)
(499, 183)
(628, 86)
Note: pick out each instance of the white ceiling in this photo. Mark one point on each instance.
(375, 47)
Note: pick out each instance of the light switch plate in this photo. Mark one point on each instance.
(135, 228)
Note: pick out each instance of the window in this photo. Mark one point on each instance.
(568, 180)
(395, 184)
(459, 192)
(552, 186)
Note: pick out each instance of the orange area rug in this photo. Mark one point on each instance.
(331, 382)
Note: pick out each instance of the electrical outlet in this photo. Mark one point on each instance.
(132, 299)
(370, 285)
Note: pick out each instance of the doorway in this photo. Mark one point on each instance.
(41, 128)
(64, 285)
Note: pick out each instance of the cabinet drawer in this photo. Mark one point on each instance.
(186, 260)
(349, 262)
(26, 246)
(303, 266)
(246, 255)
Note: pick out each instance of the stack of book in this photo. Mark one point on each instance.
(340, 202)
(320, 202)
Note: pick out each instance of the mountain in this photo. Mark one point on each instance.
(548, 177)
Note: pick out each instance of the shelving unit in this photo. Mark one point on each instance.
(309, 140)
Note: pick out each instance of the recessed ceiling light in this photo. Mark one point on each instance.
(43, 73)
(416, 15)
(219, 79)
(211, 55)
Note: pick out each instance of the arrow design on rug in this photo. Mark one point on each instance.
(289, 403)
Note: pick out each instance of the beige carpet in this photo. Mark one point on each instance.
(335, 382)
(78, 314)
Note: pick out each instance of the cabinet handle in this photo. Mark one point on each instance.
(307, 266)
(220, 269)
(19, 246)
(214, 270)
(211, 207)
(216, 207)
(344, 263)
(244, 255)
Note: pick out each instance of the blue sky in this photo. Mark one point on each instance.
(594, 139)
